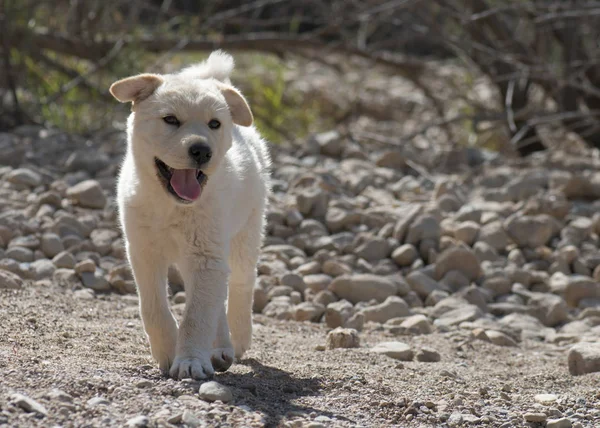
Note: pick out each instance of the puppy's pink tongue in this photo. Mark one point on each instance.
(185, 184)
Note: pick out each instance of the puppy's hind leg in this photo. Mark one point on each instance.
(222, 353)
(245, 249)
(150, 273)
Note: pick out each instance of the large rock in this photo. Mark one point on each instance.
(467, 232)
(424, 227)
(318, 281)
(337, 313)
(405, 255)
(428, 355)
(87, 194)
(405, 220)
(24, 177)
(494, 235)
(559, 423)
(260, 299)
(293, 280)
(396, 350)
(392, 307)
(88, 160)
(140, 421)
(20, 254)
(28, 404)
(529, 231)
(308, 311)
(67, 277)
(475, 295)
(335, 268)
(391, 159)
(527, 185)
(287, 250)
(103, 239)
(548, 308)
(580, 287)
(9, 280)
(577, 231)
(373, 249)
(42, 268)
(525, 326)
(362, 287)
(456, 316)
(95, 280)
(342, 338)
(454, 280)
(584, 358)
(500, 339)
(30, 241)
(497, 285)
(330, 143)
(279, 308)
(312, 202)
(338, 219)
(415, 324)
(458, 258)
(51, 244)
(422, 284)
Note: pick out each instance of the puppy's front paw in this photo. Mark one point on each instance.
(242, 342)
(163, 350)
(222, 358)
(164, 361)
(197, 367)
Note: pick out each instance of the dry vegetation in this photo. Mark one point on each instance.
(538, 60)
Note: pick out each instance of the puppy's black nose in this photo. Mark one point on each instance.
(200, 152)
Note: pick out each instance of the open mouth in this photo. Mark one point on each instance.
(184, 184)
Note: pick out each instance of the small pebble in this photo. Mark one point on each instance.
(559, 423)
(213, 391)
(28, 404)
(138, 421)
(535, 417)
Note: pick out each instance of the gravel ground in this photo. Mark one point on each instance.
(394, 290)
(95, 353)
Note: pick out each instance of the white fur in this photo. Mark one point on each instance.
(219, 65)
(214, 242)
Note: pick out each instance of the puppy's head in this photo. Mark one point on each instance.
(181, 125)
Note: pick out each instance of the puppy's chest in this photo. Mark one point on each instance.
(190, 230)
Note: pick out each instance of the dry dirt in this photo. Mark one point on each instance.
(96, 348)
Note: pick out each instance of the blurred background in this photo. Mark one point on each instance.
(512, 76)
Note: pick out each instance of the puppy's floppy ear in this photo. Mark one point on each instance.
(135, 88)
(239, 108)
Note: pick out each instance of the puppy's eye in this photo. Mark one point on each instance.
(214, 124)
(171, 120)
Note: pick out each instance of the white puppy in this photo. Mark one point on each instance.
(192, 193)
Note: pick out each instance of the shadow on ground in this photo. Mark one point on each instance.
(272, 391)
(268, 390)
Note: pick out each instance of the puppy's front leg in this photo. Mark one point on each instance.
(150, 273)
(205, 288)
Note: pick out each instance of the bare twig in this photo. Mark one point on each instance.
(69, 72)
(82, 78)
(265, 42)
